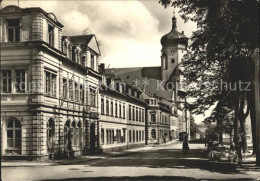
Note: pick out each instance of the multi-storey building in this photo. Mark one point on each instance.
(53, 105)
(49, 86)
(122, 119)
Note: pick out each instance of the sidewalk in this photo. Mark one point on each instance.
(81, 159)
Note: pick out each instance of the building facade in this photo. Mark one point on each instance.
(122, 119)
(57, 101)
(49, 87)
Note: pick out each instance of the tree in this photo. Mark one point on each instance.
(221, 51)
(193, 127)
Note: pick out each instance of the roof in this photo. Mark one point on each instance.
(174, 37)
(88, 40)
(12, 9)
(137, 76)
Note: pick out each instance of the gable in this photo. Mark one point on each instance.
(94, 45)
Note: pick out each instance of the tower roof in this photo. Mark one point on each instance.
(174, 37)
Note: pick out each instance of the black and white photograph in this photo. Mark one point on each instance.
(129, 90)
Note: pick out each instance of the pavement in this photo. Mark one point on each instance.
(152, 162)
(83, 158)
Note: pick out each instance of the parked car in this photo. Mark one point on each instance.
(221, 153)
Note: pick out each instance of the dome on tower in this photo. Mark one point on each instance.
(174, 37)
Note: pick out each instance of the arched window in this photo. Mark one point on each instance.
(67, 134)
(73, 133)
(153, 133)
(50, 134)
(79, 134)
(14, 135)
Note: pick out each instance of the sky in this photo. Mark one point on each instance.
(129, 31)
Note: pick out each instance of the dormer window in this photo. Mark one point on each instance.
(70, 52)
(51, 35)
(13, 30)
(65, 49)
(92, 61)
(83, 61)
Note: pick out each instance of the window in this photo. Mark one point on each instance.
(7, 81)
(123, 111)
(50, 84)
(142, 135)
(83, 61)
(165, 63)
(70, 52)
(133, 135)
(67, 134)
(142, 115)
(65, 50)
(92, 97)
(14, 135)
(71, 90)
(50, 134)
(153, 120)
(65, 88)
(76, 92)
(73, 133)
(102, 136)
(81, 94)
(137, 136)
(130, 112)
(51, 35)
(13, 30)
(107, 107)
(92, 59)
(116, 110)
(133, 113)
(153, 133)
(136, 114)
(102, 106)
(130, 136)
(173, 60)
(112, 108)
(123, 136)
(120, 110)
(20, 80)
(118, 135)
(79, 134)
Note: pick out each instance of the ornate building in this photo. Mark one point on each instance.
(49, 87)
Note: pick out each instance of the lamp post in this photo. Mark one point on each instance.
(257, 106)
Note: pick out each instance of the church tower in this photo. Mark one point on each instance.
(174, 45)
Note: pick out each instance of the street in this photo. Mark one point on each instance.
(160, 162)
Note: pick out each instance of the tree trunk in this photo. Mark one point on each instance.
(251, 104)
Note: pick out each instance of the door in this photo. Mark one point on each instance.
(92, 138)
